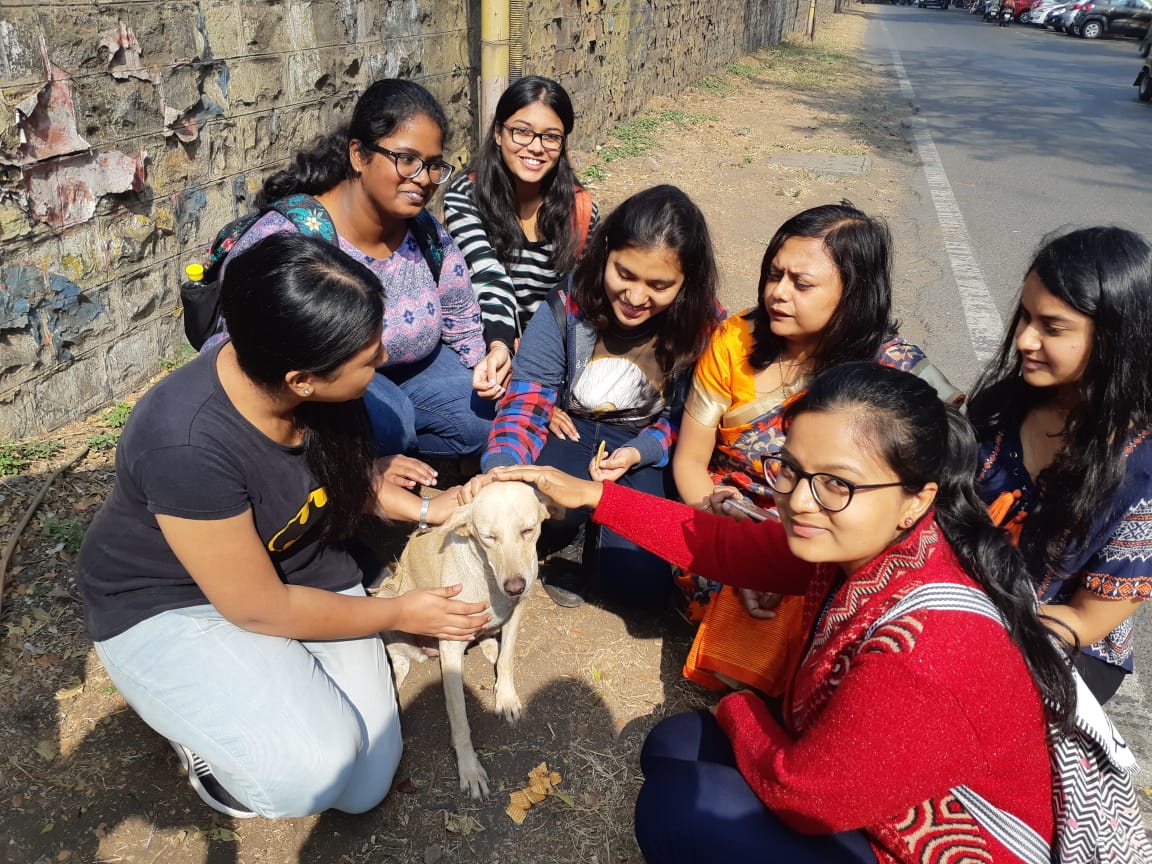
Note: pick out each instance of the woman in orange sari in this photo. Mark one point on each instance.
(825, 298)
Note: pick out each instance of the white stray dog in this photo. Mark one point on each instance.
(489, 548)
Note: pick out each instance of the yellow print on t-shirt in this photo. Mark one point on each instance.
(305, 517)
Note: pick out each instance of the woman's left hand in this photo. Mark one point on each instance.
(491, 375)
(470, 489)
(440, 506)
(404, 471)
(615, 465)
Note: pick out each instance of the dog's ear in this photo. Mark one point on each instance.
(551, 510)
(460, 522)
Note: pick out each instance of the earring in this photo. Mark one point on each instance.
(307, 392)
(908, 522)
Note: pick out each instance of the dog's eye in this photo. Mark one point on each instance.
(527, 532)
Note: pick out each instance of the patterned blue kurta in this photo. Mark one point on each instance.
(1115, 560)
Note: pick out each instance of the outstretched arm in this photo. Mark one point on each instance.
(744, 554)
(230, 565)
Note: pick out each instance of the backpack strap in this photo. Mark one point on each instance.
(425, 232)
(1018, 836)
(582, 216)
(1097, 817)
(940, 595)
(1009, 830)
(201, 299)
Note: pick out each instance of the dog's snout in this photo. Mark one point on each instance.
(515, 587)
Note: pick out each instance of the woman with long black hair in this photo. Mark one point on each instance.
(1065, 414)
(372, 181)
(917, 721)
(222, 602)
(518, 212)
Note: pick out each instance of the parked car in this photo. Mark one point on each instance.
(1049, 14)
(1146, 44)
(1056, 15)
(1024, 10)
(1144, 82)
(1112, 17)
(1066, 21)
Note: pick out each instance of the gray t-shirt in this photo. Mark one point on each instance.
(187, 452)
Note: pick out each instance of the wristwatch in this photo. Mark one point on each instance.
(425, 500)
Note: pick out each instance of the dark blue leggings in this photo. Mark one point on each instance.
(696, 808)
(624, 573)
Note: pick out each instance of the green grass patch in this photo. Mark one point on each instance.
(15, 456)
(117, 415)
(742, 70)
(103, 441)
(806, 66)
(715, 85)
(69, 532)
(595, 173)
(642, 133)
(183, 355)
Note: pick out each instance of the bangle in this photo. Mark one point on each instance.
(425, 500)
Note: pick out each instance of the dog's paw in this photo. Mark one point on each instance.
(508, 705)
(473, 777)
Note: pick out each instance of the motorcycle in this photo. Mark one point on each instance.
(1005, 16)
(991, 10)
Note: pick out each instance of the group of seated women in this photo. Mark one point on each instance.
(805, 469)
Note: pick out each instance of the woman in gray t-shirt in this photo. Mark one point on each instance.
(216, 589)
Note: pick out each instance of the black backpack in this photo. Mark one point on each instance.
(201, 298)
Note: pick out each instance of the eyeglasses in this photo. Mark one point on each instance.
(524, 137)
(832, 493)
(409, 166)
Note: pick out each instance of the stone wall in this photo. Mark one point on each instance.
(131, 131)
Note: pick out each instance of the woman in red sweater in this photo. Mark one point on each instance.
(904, 727)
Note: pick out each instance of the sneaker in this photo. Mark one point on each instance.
(207, 786)
(564, 582)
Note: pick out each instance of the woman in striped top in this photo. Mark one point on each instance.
(518, 213)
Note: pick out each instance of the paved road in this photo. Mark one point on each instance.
(1019, 132)
(1035, 129)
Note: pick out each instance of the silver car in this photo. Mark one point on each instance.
(1042, 17)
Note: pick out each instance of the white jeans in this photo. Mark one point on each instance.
(290, 728)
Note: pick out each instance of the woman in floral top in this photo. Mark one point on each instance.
(1064, 415)
(434, 394)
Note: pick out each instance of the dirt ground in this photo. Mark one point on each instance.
(83, 780)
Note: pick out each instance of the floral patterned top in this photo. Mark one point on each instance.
(1115, 561)
(418, 312)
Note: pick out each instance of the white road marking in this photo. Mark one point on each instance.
(985, 326)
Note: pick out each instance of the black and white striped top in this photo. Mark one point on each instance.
(507, 296)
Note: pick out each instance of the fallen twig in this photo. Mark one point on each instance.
(27, 517)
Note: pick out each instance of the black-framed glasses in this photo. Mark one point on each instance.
(409, 166)
(524, 137)
(832, 493)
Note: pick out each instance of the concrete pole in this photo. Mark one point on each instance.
(494, 39)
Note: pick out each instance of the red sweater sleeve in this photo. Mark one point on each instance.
(744, 554)
(893, 735)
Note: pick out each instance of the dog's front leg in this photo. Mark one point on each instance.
(473, 777)
(507, 701)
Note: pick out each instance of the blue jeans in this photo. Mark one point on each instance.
(290, 728)
(696, 808)
(429, 408)
(625, 573)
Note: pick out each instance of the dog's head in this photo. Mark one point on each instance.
(504, 521)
